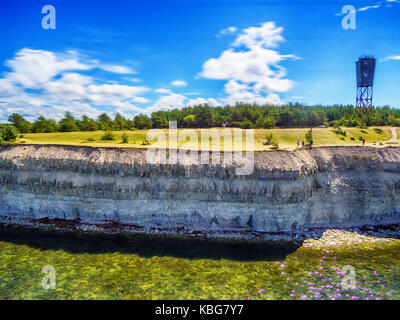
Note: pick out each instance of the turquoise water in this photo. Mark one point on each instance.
(94, 267)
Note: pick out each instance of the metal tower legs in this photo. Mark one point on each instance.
(364, 97)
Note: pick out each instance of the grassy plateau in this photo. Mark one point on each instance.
(287, 138)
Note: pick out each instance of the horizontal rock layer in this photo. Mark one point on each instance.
(287, 190)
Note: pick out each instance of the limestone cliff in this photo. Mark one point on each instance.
(288, 190)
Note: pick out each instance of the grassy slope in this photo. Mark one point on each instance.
(287, 138)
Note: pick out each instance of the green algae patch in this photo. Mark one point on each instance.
(107, 270)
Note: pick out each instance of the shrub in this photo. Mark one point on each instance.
(378, 130)
(9, 133)
(339, 131)
(124, 138)
(308, 137)
(272, 140)
(108, 136)
(90, 139)
(269, 137)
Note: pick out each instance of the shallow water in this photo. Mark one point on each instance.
(93, 267)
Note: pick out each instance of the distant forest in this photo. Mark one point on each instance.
(246, 116)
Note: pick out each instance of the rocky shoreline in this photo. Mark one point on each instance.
(317, 237)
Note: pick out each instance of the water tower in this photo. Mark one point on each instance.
(365, 67)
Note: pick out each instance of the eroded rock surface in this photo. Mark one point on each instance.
(288, 190)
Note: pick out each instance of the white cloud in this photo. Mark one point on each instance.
(140, 100)
(238, 92)
(228, 30)
(133, 79)
(179, 83)
(377, 5)
(171, 100)
(58, 86)
(253, 72)
(369, 7)
(397, 58)
(168, 102)
(33, 68)
(199, 101)
(163, 91)
(267, 35)
(117, 69)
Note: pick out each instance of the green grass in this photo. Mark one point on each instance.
(287, 138)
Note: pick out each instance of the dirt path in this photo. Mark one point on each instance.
(394, 137)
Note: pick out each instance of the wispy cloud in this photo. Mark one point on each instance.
(370, 7)
(229, 30)
(179, 83)
(117, 69)
(375, 5)
(393, 57)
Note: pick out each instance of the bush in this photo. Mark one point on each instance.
(308, 137)
(9, 133)
(124, 138)
(90, 139)
(272, 140)
(339, 131)
(378, 130)
(269, 137)
(108, 136)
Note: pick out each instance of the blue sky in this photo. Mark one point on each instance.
(140, 56)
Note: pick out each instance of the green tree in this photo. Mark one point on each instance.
(142, 122)
(246, 124)
(120, 123)
(104, 122)
(68, 124)
(159, 120)
(20, 123)
(308, 137)
(88, 124)
(43, 125)
(189, 120)
(9, 133)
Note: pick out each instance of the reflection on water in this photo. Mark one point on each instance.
(94, 267)
(149, 246)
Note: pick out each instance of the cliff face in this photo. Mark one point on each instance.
(324, 187)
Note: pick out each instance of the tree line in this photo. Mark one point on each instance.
(245, 116)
